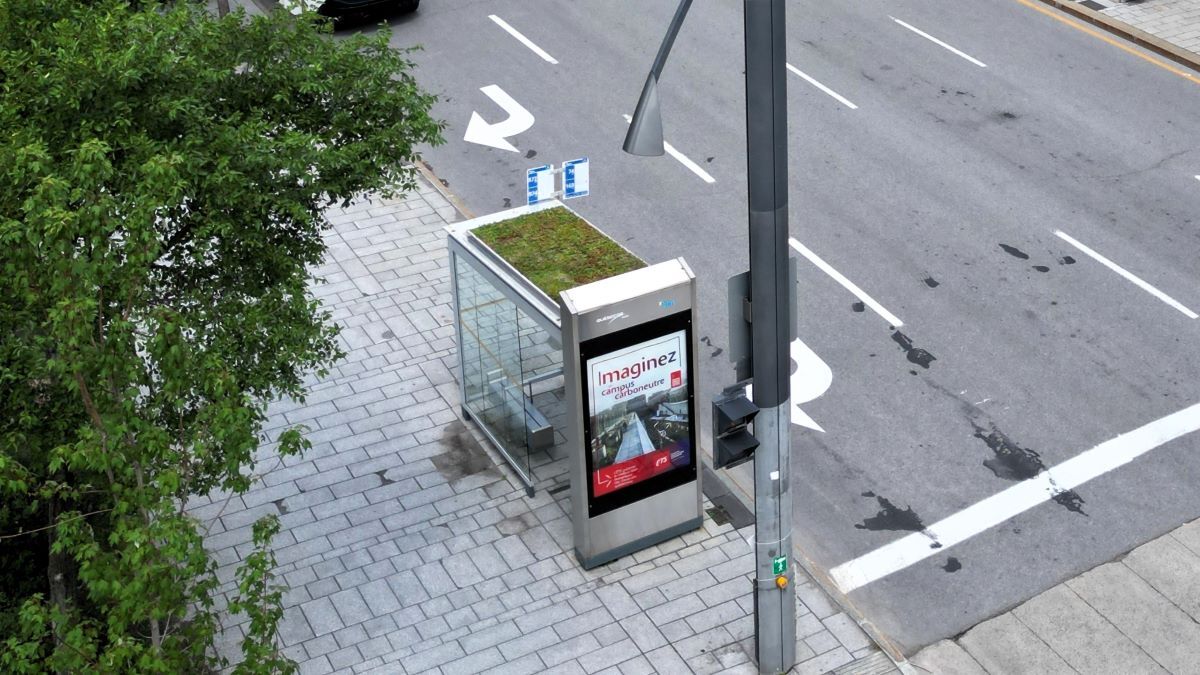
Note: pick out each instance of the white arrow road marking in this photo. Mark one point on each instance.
(811, 379)
(494, 135)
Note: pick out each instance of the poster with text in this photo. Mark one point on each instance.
(639, 414)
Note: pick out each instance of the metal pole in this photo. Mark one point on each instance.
(767, 175)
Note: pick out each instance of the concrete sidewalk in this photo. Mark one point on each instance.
(1169, 27)
(1176, 21)
(1138, 614)
(409, 548)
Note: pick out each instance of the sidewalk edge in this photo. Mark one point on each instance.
(458, 204)
(1135, 35)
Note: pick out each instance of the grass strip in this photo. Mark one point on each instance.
(557, 250)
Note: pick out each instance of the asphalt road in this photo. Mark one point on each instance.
(936, 182)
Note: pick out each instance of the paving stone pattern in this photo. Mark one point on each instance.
(408, 547)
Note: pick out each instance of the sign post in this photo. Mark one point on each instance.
(629, 350)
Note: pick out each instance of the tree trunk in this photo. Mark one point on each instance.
(58, 572)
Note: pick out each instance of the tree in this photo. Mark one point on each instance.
(162, 180)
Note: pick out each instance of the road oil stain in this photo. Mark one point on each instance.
(891, 518)
(915, 354)
(858, 307)
(1066, 260)
(931, 282)
(1013, 462)
(1015, 252)
(507, 202)
(531, 154)
(1041, 268)
(952, 565)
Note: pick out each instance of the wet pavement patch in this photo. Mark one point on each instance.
(463, 456)
(1012, 462)
(1015, 252)
(891, 518)
(915, 354)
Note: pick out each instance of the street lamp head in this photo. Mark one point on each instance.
(645, 135)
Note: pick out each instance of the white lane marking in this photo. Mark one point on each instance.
(1109, 455)
(936, 41)
(846, 283)
(1125, 273)
(841, 99)
(1196, 177)
(522, 39)
(683, 159)
(519, 120)
(812, 378)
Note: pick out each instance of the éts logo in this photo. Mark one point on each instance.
(666, 304)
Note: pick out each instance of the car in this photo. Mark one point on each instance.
(338, 10)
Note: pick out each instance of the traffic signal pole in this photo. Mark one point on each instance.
(770, 308)
(770, 320)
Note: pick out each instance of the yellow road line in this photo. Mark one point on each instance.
(1116, 43)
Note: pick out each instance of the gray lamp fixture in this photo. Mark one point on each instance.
(645, 135)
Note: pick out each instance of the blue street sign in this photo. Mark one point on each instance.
(576, 178)
(540, 183)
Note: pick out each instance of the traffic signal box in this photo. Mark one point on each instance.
(732, 441)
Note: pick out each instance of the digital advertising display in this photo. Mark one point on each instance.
(638, 399)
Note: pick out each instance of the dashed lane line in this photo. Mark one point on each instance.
(841, 99)
(1137, 281)
(938, 42)
(683, 159)
(837, 276)
(522, 39)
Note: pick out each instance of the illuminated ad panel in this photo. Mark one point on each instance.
(639, 403)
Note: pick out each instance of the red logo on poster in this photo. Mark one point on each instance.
(636, 470)
(677, 379)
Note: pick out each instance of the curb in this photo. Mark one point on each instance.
(1135, 35)
(458, 204)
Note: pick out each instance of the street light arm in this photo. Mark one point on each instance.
(645, 135)
(664, 49)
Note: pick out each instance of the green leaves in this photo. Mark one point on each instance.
(162, 180)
